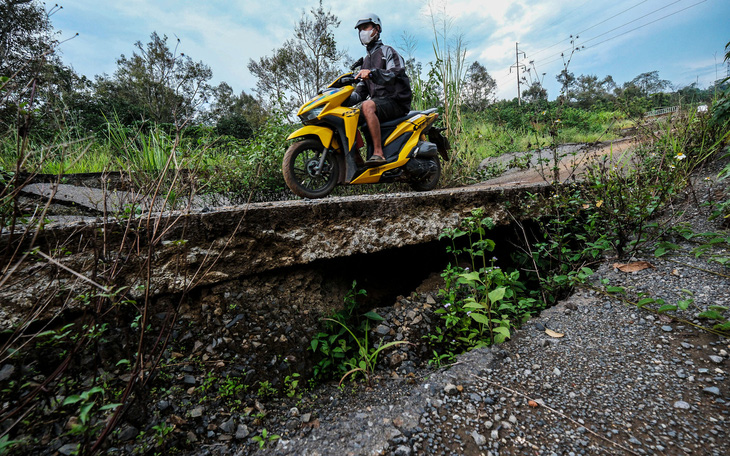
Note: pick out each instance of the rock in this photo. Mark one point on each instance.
(382, 330)
(128, 433)
(306, 417)
(196, 412)
(479, 439)
(6, 371)
(556, 372)
(229, 426)
(403, 450)
(451, 389)
(681, 405)
(716, 359)
(712, 390)
(69, 449)
(396, 359)
(667, 328)
(241, 432)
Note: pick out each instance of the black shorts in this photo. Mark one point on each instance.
(388, 109)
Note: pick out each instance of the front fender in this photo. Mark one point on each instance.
(324, 134)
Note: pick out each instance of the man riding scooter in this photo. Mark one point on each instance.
(384, 80)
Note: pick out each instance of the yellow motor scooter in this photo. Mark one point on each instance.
(327, 150)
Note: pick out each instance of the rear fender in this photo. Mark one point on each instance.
(442, 144)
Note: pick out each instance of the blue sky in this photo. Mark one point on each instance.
(682, 39)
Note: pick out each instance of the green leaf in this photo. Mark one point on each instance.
(472, 304)
(684, 304)
(502, 329)
(469, 277)
(497, 294)
(667, 308)
(373, 316)
(84, 412)
(644, 302)
(664, 247)
(109, 407)
(615, 289)
(724, 327)
(479, 318)
(711, 315)
(71, 399)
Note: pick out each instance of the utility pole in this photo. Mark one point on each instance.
(517, 65)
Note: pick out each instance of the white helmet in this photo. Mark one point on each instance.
(370, 18)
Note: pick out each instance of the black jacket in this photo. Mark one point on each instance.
(388, 78)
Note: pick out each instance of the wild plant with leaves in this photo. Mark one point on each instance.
(343, 344)
(480, 303)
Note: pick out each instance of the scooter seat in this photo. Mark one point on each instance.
(394, 122)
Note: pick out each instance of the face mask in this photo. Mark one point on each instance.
(366, 36)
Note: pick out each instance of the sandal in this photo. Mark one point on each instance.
(375, 160)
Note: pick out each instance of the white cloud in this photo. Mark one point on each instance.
(226, 34)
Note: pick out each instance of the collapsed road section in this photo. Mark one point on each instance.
(175, 252)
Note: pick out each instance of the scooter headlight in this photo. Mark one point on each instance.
(311, 114)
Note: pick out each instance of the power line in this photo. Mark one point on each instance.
(592, 26)
(543, 64)
(648, 23)
(642, 17)
(624, 33)
(616, 28)
(615, 15)
(562, 19)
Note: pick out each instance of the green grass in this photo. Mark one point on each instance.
(230, 165)
(481, 138)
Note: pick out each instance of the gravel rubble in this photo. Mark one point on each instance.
(621, 379)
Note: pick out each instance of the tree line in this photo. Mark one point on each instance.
(157, 84)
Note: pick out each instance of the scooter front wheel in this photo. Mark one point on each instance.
(302, 171)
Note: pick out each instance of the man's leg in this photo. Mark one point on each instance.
(371, 118)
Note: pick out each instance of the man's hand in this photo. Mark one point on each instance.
(363, 74)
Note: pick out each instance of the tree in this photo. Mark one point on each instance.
(157, 83)
(25, 35)
(27, 57)
(479, 88)
(535, 93)
(304, 64)
(566, 79)
(236, 115)
(590, 92)
(650, 83)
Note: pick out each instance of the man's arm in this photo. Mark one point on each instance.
(394, 65)
(358, 95)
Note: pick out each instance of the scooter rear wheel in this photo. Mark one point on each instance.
(300, 166)
(430, 182)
